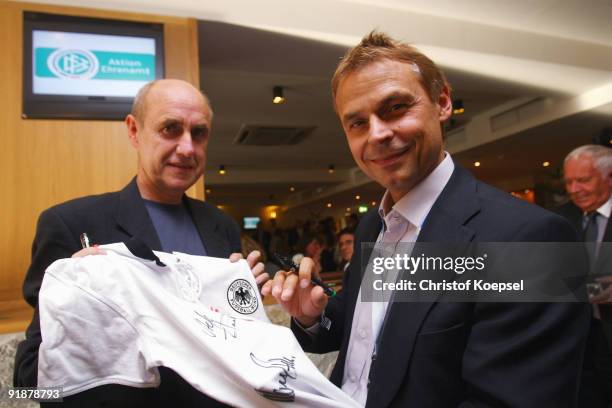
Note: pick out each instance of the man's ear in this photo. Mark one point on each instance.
(132, 128)
(445, 103)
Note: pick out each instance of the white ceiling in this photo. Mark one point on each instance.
(500, 57)
(576, 20)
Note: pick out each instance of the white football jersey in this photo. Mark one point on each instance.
(115, 318)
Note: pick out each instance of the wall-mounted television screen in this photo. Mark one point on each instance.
(250, 223)
(87, 68)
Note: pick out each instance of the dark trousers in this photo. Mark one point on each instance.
(173, 392)
(596, 381)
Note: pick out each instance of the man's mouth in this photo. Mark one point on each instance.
(391, 158)
(580, 197)
(182, 166)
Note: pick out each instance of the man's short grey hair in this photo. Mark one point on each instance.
(140, 101)
(600, 155)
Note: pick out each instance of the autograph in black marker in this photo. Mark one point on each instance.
(286, 366)
(225, 324)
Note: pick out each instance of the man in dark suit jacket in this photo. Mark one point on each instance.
(169, 127)
(392, 102)
(588, 181)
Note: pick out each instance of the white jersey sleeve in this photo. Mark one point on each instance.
(87, 342)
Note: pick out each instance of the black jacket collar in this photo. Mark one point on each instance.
(133, 217)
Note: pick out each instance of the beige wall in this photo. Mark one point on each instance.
(45, 162)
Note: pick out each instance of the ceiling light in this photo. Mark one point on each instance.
(458, 108)
(273, 214)
(357, 197)
(373, 203)
(329, 205)
(222, 169)
(277, 91)
(546, 164)
(476, 164)
(331, 169)
(208, 191)
(292, 189)
(348, 209)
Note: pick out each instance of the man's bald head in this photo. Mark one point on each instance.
(139, 107)
(169, 127)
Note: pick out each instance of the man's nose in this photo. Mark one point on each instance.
(572, 186)
(185, 144)
(379, 129)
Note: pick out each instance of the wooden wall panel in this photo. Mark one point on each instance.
(44, 162)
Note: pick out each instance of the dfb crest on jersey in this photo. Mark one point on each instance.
(242, 296)
(187, 281)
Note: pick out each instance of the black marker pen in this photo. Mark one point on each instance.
(290, 266)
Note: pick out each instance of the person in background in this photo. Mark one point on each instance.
(346, 239)
(263, 236)
(327, 230)
(278, 240)
(587, 172)
(310, 245)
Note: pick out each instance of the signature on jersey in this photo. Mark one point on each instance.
(217, 324)
(286, 371)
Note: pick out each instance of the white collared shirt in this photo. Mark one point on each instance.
(402, 223)
(602, 221)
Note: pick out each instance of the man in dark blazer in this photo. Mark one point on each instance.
(392, 102)
(587, 173)
(169, 128)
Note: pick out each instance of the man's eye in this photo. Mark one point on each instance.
(356, 124)
(397, 106)
(173, 129)
(199, 133)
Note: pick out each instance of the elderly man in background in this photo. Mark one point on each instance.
(169, 127)
(588, 181)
